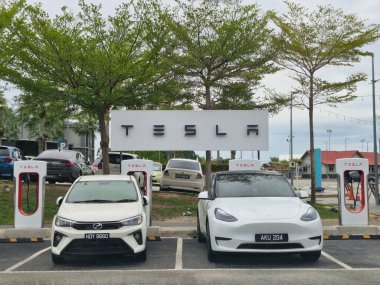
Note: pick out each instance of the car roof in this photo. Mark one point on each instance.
(258, 172)
(64, 153)
(116, 177)
(185, 159)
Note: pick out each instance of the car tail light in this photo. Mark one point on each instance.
(199, 176)
(8, 159)
(100, 165)
(69, 163)
(166, 172)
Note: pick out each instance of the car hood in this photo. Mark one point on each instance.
(261, 208)
(105, 212)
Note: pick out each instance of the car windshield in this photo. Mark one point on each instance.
(103, 192)
(4, 151)
(184, 164)
(157, 167)
(252, 185)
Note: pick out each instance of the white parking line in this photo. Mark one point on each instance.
(328, 256)
(26, 260)
(178, 256)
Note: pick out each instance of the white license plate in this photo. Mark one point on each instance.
(271, 237)
(96, 236)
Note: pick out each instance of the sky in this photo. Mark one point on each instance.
(351, 123)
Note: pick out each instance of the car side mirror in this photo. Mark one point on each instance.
(59, 201)
(203, 196)
(145, 201)
(303, 194)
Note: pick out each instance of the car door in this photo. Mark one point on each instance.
(205, 204)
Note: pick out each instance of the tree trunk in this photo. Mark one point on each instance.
(208, 152)
(311, 127)
(104, 141)
(41, 131)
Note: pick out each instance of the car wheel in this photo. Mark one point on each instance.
(211, 255)
(57, 259)
(311, 256)
(141, 256)
(201, 237)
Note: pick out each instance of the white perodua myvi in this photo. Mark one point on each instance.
(257, 211)
(100, 214)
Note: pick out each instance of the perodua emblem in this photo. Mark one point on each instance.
(97, 226)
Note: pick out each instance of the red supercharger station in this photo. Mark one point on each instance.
(29, 193)
(353, 191)
(244, 164)
(142, 169)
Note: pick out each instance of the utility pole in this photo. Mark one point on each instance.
(291, 138)
(374, 133)
(329, 131)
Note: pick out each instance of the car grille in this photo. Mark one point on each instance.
(89, 226)
(99, 246)
(270, 246)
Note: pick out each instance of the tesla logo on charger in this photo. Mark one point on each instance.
(244, 165)
(29, 167)
(353, 164)
(191, 130)
(136, 165)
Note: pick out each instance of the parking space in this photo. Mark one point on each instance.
(173, 253)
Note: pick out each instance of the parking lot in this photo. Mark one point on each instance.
(18, 261)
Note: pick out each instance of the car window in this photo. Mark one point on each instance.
(184, 164)
(102, 192)
(157, 167)
(252, 185)
(4, 151)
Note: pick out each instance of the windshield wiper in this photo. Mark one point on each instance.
(94, 201)
(125, 200)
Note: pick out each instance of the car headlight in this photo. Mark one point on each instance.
(223, 216)
(61, 222)
(310, 215)
(137, 220)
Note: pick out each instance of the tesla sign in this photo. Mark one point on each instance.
(189, 130)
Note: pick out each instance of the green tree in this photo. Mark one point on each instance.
(9, 124)
(219, 43)
(97, 63)
(311, 41)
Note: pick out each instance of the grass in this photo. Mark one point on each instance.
(166, 205)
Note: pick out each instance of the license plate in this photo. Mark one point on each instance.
(96, 236)
(183, 176)
(271, 237)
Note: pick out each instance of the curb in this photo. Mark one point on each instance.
(21, 240)
(352, 237)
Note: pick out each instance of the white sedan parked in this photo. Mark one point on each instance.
(257, 211)
(100, 214)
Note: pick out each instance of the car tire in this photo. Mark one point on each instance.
(211, 255)
(200, 236)
(56, 259)
(311, 256)
(141, 256)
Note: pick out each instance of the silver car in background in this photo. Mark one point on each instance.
(183, 174)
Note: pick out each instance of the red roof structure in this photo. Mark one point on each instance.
(330, 157)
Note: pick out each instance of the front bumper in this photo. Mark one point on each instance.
(240, 236)
(120, 241)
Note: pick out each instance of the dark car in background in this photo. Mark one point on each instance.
(8, 156)
(64, 165)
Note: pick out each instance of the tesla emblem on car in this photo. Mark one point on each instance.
(97, 226)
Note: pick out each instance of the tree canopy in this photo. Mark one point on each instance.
(310, 41)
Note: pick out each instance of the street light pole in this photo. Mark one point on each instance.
(374, 133)
(329, 131)
(291, 138)
(362, 141)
